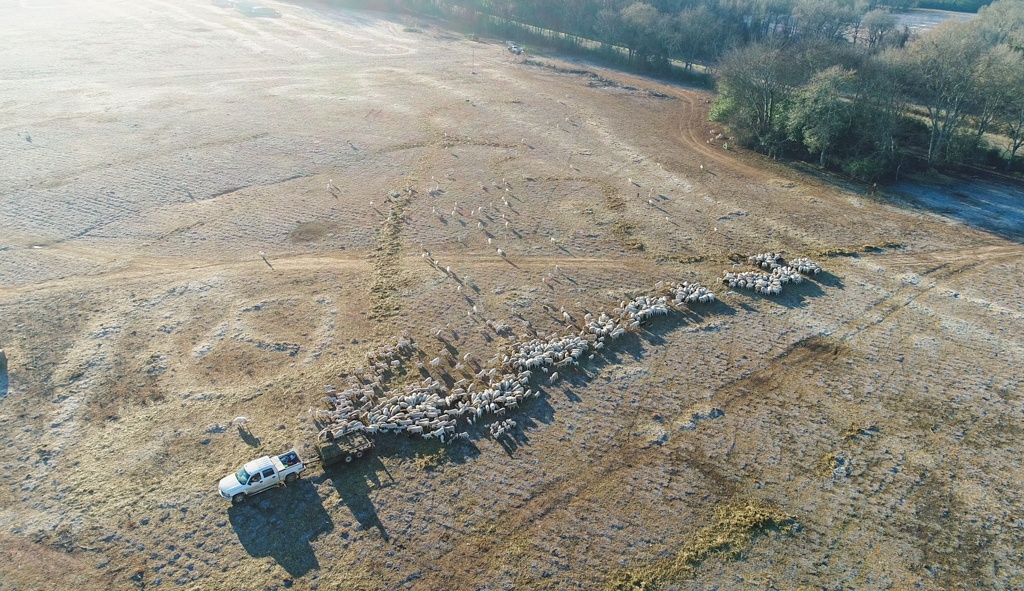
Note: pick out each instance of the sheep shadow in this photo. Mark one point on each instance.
(247, 437)
(458, 451)
(531, 413)
(827, 279)
(565, 250)
(794, 295)
(289, 546)
(703, 311)
(629, 345)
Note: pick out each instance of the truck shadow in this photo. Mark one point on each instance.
(4, 381)
(354, 482)
(289, 544)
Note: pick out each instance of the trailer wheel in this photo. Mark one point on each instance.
(291, 477)
(359, 454)
(238, 499)
(348, 459)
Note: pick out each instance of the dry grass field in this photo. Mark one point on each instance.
(871, 423)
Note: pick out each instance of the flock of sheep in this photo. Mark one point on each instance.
(771, 283)
(433, 408)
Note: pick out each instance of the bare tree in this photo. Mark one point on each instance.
(944, 66)
(1011, 114)
(753, 80)
(825, 19)
(878, 24)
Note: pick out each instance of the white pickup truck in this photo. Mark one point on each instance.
(259, 475)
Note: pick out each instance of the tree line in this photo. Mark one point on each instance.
(951, 97)
(839, 82)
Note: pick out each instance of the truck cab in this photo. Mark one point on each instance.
(260, 475)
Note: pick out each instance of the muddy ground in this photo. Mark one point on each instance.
(192, 228)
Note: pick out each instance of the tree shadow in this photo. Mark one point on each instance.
(991, 204)
(280, 524)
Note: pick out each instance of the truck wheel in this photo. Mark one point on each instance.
(291, 478)
(238, 499)
(348, 459)
(359, 454)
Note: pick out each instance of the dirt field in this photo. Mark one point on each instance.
(871, 425)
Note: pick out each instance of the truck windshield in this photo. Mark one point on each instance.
(242, 476)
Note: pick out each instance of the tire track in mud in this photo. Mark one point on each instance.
(174, 270)
(877, 315)
(941, 267)
(586, 485)
(463, 567)
(985, 254)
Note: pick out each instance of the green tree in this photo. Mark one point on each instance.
(643, 32)
(820, 113)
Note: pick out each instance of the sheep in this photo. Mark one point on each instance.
(767, 260)
(805, 266)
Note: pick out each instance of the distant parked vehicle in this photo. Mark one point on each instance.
(255, 9)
